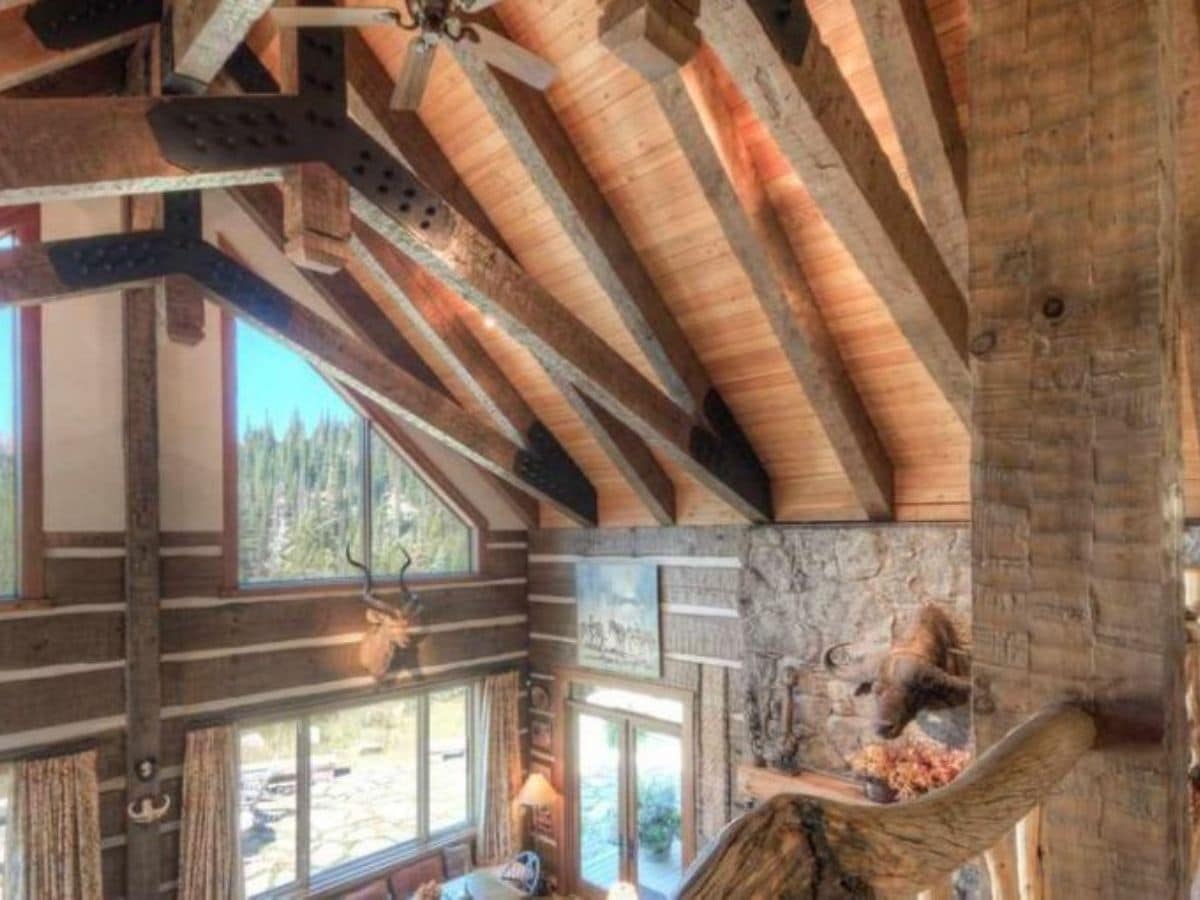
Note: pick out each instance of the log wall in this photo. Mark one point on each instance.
(223, 657)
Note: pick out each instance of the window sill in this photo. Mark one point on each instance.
(353, 587)
(361, 872)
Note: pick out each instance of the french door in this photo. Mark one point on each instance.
(629, 801)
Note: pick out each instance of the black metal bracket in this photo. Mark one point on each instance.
(64, 24)
(787, 23)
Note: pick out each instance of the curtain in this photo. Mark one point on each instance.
(53, 836)
(209, 857)
(501, 776)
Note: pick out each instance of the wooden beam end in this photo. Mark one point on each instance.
(654, 37)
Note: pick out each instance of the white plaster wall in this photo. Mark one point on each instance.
(82, 381)
(189, 429)
(82, 388)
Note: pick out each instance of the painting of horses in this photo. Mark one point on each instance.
(618, 618)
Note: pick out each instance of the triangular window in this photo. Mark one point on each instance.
(302, 497)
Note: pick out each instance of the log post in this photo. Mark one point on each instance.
(1076, 460)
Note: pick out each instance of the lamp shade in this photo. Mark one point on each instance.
(536, 791)
(622, 890)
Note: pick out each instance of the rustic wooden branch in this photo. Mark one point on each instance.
(206, 32)
(796, 846)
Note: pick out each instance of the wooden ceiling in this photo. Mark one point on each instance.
(610, 113)
(626, 145)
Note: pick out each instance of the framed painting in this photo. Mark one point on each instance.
(617, 618)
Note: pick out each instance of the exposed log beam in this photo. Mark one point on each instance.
(794, 87)
(25, 58)
(430, 307)
(196, 133)
(627, 452)
(44, 272)
(1076, 509)
(342, 291)
(204, 33)
(369, 81)
(359, 307)
(122, 155)
(690, 100)
(1189, 195)
(562, 179)
(904, 49)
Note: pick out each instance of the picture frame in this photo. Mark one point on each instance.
(618, 625)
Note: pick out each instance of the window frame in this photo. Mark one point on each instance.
(374, 426)
(25, 223)
(381, 861)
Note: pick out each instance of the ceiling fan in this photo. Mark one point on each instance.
(435, 22)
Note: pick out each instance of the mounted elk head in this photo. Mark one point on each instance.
(923, 670)
(389, 627)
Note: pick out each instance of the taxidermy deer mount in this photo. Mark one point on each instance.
(389, 627)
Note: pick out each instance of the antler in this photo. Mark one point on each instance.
(368, 595)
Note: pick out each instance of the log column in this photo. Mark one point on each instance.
(1076, 460)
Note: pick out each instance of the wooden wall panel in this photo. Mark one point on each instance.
(237, 624)
(33, 642)
(84, 580)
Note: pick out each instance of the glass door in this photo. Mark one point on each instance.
(600, 812)
(628, 791)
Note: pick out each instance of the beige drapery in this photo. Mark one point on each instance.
(209, 858)
(501, 776)
(53, 838)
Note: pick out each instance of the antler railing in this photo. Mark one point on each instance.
(799, 846)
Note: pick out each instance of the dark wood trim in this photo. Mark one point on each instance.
(229, 466)
(143, 587)
(25, 221)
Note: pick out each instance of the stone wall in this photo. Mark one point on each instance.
(805, 589)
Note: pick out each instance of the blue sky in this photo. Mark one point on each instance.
(273, 382)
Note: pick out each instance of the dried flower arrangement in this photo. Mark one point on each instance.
(910, 767)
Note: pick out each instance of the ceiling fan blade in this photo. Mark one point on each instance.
(414, 74)
(333, 16)
(512, 58)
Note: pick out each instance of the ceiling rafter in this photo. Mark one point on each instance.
(904, 50)
(204, 34)
(458, 346)
(531, 127)
(797, 92)
(353, 297)
(655, 39)
(37, 273)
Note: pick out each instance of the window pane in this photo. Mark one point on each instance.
(268, 782)
(8, 453)
(364, 781)
(299, 489)
(448, 758)
(407, 515)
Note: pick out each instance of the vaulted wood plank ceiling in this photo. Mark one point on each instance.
(628, 148)
(611, 116)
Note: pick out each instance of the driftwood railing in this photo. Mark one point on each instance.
(802, 846)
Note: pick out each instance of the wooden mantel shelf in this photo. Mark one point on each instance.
(755, 785)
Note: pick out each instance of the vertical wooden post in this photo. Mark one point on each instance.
(143, 698)
(1029, 863)
(142, 689)
(1001, 863)
(1076, 460)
